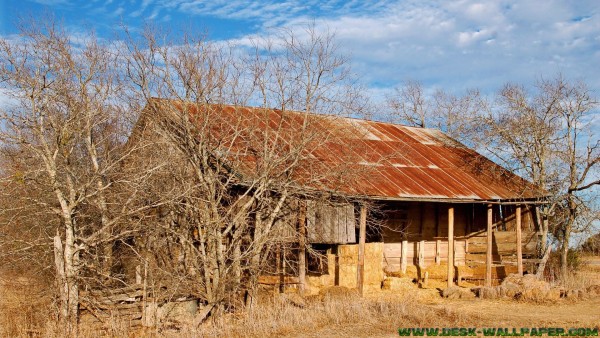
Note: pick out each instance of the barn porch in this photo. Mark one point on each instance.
(488, 241)
(353, 247)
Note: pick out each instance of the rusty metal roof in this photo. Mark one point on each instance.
(366, 158)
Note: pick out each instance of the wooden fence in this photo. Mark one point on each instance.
(135, 305)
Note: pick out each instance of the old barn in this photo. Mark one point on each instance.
(409, 202)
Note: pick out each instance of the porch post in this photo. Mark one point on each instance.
(438, 251)
(360, 270)
(404, 259)
(302, 247)
(450, 246)
(519, 241)
(488, 255)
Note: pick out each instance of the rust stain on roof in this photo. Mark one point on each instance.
(388, 161)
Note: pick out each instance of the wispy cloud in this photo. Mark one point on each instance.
(459, 45)
(450, 44)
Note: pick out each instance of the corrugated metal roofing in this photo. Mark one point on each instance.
(387, 161)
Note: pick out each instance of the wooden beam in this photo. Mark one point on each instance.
(450, 246)
(421, 261)
(404, 256)
(360, 271)
(302, 247)
(519, 242)
(488, 253)
(438, 250)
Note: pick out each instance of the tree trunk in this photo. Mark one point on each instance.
(540, 271)
(66, 260)
(253, 283)
(568, 227)
(71, 260)
(61, 279)
(542, 222)
(564, 255)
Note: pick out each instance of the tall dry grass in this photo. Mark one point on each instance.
(24, 312)
(23, 308)
(586, 274)
(340, 314)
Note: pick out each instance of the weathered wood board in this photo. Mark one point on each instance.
(503, 243)
(393, 253)
(331, 224)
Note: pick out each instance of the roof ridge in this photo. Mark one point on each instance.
(305, 112)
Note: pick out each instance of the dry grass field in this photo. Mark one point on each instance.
(337, 312)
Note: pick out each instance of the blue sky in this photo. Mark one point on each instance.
(452, 45)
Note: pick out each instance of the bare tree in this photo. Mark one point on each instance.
(457, 116)
(62, 137)
(549, 138)
(579, 155)
(410, 105)
(239, 172)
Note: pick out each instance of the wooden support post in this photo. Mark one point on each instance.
(404, 258)
(488, 253)
(438, 252)
(421, 261)
(450, 246)
(360, 271)
(519, 241)
(421, 254)
(302, 247)
(278, 264)
(454, 256)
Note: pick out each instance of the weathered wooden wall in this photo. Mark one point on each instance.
(428, 222)
(415, 221)
(135, 305)
(330, 223)
(504, 249)
(392, 253)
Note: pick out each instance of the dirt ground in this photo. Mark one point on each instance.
(487, 313)
(494, 313)
(483, 313)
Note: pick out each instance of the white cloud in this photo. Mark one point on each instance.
(450, 44)
(465, 44)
